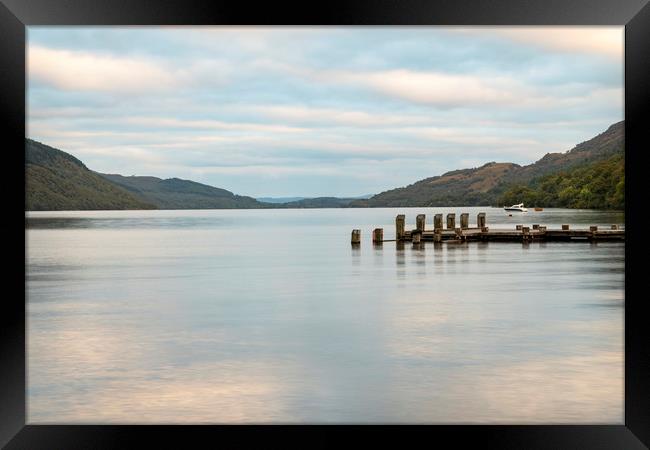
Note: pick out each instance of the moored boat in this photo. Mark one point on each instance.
(519, 207)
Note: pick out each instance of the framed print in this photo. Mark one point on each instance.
(401, 220)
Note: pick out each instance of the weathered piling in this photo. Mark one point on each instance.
(437, 222)
(521, 233)
(451, 221)
(356, 237)
(464, 221)
(480, 220)
(419, 222)
(399, 227)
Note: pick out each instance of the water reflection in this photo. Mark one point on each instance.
(58, 222)
(152, 321)
(355, 250)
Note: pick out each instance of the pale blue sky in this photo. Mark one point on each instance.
(315, 111)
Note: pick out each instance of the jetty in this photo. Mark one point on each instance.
(479, 231)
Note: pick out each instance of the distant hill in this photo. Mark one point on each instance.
(319, 202)
(57, 181)
(279, 199)
(311, 202)
(459, 187)
(174, 193)
(606, 144)
(487, 184)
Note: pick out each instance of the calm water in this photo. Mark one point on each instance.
(270, 316)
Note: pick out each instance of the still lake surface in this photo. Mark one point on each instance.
(269, 316)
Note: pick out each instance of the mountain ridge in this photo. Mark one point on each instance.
(176, 193)
(486, 184)
(56, 181)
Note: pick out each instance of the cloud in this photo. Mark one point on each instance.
(471, 91)
(165, 123)
(440, 88)
(85, 71)
(337, 116)
(604, 41)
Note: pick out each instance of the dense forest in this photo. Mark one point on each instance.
(599, 185)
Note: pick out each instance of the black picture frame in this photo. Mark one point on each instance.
(15, 15)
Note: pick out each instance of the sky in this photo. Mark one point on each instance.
(318, 111)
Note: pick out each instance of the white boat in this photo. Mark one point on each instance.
(519, 207)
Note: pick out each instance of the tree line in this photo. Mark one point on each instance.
(600, 185)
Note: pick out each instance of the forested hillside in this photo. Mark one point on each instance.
(57, 181)
(598, 185)
(499, 183)
(175, 193)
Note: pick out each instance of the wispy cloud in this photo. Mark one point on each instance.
(604, 41)
(83, 71)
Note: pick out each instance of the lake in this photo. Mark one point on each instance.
(270, 316)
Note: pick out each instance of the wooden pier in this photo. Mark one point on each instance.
(481, 232)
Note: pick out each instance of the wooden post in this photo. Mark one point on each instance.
(519, 227)
(464, 221)
(419, 222)
(437, 235)
(459, 233)
(535, 226)
(416, 237)
(480, 220)
(378, 235)
(356, 237)
(614, 227)
(399, 227)
(485, 229)
(437, 222)
(451, 221)
(525, 232)
(565, 227)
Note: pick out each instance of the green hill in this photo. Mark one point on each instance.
(495, 183)
(597, 185)
(57, 181)
(459, 187)
(610, 142)
(174, 193)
